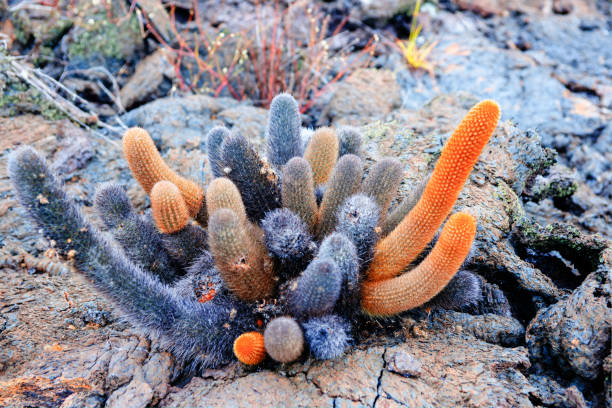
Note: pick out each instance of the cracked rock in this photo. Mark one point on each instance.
(404, 363)
(574, 333)
(491, 328)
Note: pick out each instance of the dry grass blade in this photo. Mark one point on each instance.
(50, 89)
(415, 55)
(286, 57)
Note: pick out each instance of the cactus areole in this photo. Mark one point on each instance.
(277, 259)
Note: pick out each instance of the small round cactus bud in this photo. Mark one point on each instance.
(249, 348)
(169, 209)
(327, 336)
(284, 340)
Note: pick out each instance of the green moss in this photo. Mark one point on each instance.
(378, 130)
(584, 251)
(45, 54)
(555, 187)
(562, 190)
(53, 31)
(17, 97)
(104, 38)
(22, 27)
(513, 205)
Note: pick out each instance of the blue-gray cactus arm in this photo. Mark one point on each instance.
(283, 133)
(195, 333)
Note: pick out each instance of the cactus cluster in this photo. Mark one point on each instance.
(278, 257)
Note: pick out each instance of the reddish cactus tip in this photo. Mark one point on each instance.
(249, 348)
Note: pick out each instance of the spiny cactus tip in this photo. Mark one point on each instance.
(249, 348)
(169, 209)
(284, 339)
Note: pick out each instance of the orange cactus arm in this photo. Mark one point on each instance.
(249, 348)
(322, 154)
(148, 168)
(222, 193)
(169, 209)
(414, 288)
(395, 252)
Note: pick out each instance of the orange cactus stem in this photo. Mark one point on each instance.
(169, 209)
(148, 168)
(416, 287)
(223, 193)
(396, 251)
(322, 154)
(249, 348)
